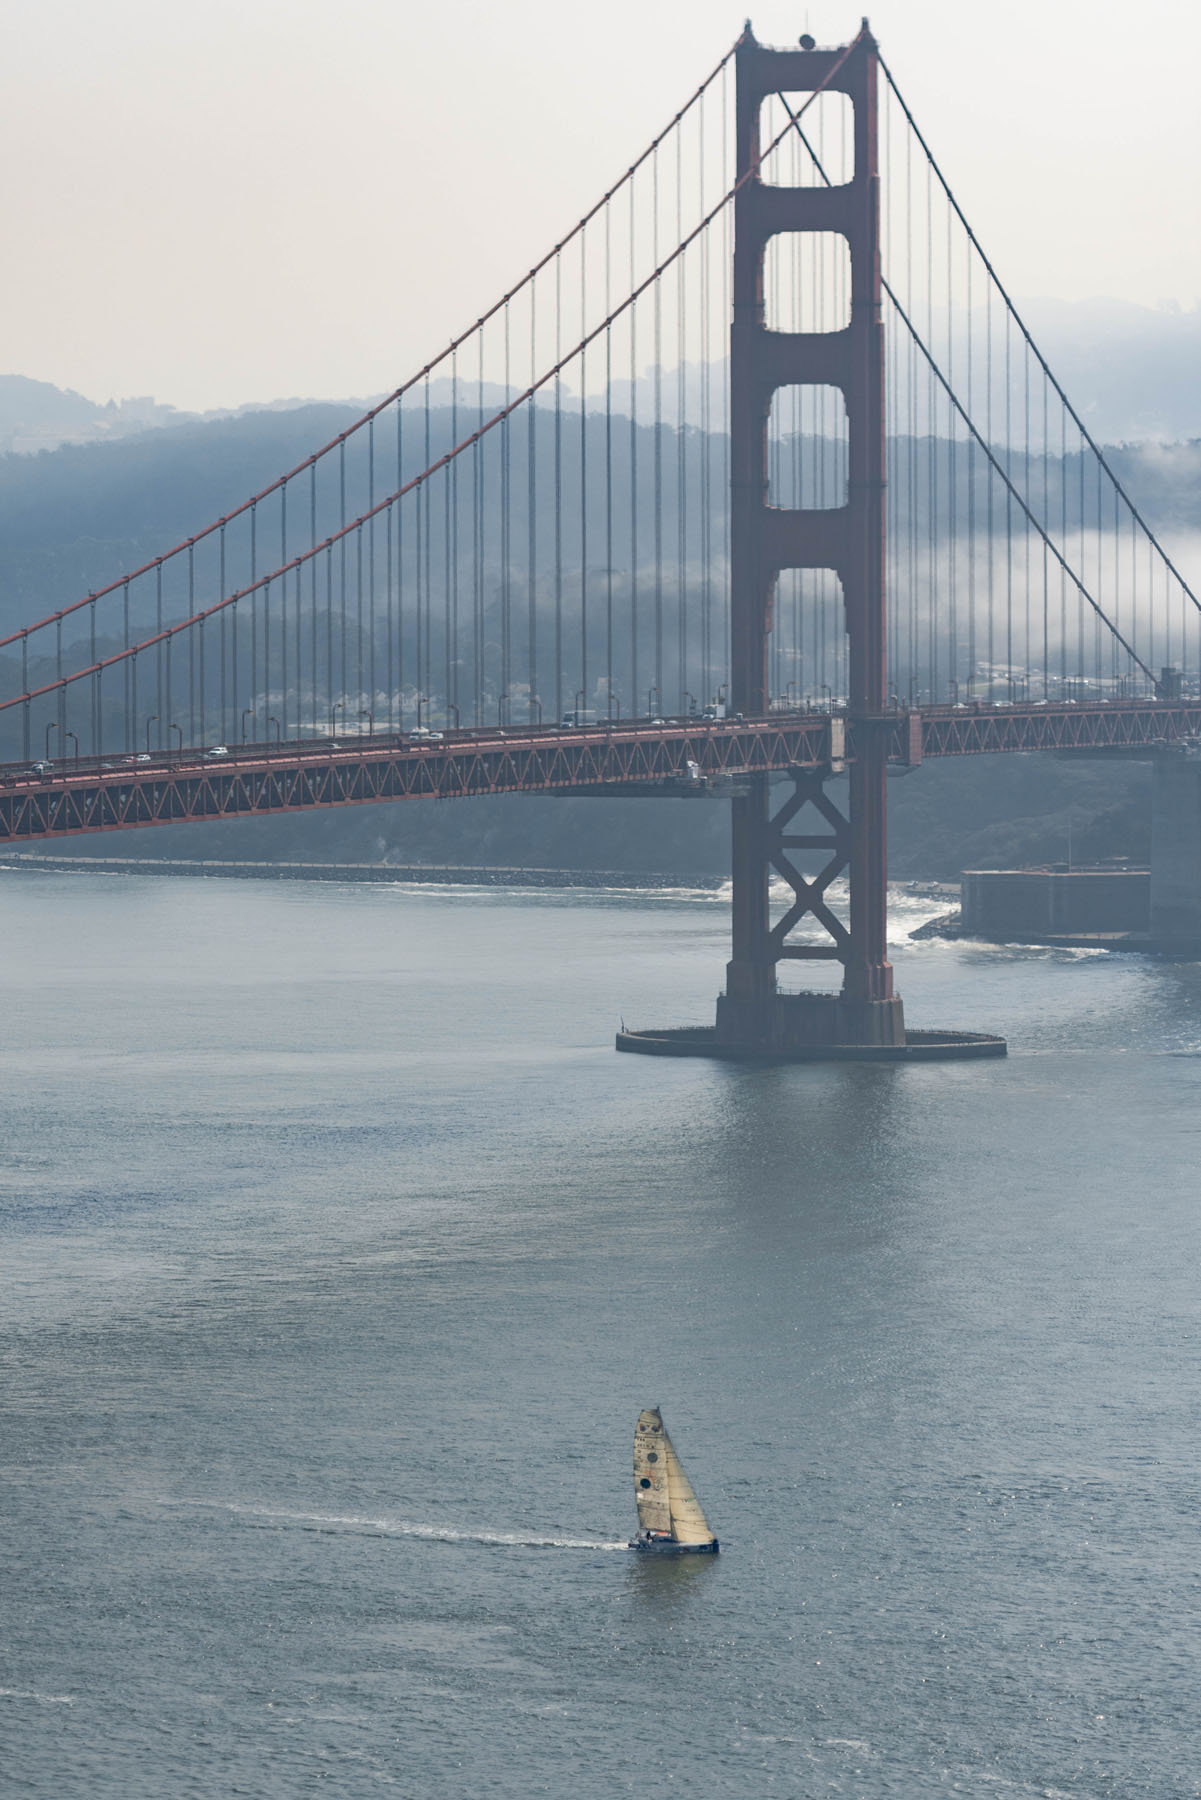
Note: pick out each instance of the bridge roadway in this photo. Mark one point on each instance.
(124, 792)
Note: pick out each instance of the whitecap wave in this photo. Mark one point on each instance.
(32, 1694)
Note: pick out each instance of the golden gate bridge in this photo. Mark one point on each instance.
(757, 474)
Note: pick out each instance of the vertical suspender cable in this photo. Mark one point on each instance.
(162, 703)
(342, 680)
(532, 518)
(1046, 585)
(558, 487)
(584, 696)
(932, 455)
(1008, 516)
(988, 438)
(425, 668)
(635, 691)
(608, 469)
(313, 559)
(254, 629)
(398, 674)
(952, 478)
(223, 728)
(506, 541)
(283, 619)
(681, 432)
(727, 259)
(706, 545)
(477, 545)
(971, 494)
(658, 440)
(456, 654)
(371, 683)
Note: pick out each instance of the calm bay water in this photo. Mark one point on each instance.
(338, 1252)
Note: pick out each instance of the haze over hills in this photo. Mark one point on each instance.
(83, 515)
(36, 415)
(1133, 373)
(128, 479)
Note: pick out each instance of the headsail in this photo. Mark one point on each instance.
(650, 1472)
(688, 1523)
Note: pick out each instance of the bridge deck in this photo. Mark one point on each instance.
(88, 795)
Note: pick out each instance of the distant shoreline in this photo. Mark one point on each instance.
(447, 875)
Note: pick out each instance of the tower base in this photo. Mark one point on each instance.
(810, 1028)
(789, 1022)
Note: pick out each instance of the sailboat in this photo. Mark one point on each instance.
(670, 1519)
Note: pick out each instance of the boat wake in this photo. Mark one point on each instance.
(404, 1528)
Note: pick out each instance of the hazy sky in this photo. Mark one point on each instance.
(244, 199)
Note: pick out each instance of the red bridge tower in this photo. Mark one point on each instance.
(865, 1018)
(848, 539)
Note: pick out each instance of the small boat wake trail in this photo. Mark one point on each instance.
(388, 1527)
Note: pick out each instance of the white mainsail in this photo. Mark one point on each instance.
(650, 1472)
(688, 1523)
(663, 1493)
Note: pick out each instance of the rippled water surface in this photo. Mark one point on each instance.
(339, 1252)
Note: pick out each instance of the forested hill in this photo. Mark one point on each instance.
(77, 517)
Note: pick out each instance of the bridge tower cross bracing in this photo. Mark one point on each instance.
(848, 539)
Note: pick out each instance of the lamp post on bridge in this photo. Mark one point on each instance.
(152, 720)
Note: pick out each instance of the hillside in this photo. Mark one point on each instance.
(75, 517)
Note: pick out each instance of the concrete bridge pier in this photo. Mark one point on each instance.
(1175, 920)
